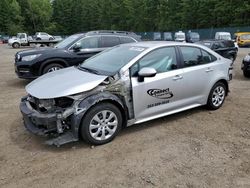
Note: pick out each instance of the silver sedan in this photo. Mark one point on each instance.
(122, 86)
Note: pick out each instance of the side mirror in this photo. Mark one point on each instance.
(146, 72)
(77, 47)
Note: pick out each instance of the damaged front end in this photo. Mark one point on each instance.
(50, 117)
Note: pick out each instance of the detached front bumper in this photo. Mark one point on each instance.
(37, 123)
(46, 124)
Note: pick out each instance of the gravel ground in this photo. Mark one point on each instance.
(195, 148)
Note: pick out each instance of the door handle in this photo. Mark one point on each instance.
(209, 70)
(177, 77)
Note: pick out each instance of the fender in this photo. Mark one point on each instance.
(90, 101)
(51, 61)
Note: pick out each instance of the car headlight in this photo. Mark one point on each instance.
(30, 57)
(247, 58)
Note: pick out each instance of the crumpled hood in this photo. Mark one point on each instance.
(63, 82)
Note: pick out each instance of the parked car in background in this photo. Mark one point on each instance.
(245, 66)
(43, 36)
(180, 36)
(71, 51)
(128, 84)
(223, 36)
(243, 39)
(225, 48)
(167, 36)
(5, 39)
(157, 36)
(192, 37)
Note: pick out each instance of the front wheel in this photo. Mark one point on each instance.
(216, 96)
(15, 45)
(52, 67)
(101, 124)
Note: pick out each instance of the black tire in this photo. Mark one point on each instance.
(50, 67)
(246, 73)
(231, 58)
(211, 102)
(38, 38)
(16, 45)
(51, 38)
(85, 131)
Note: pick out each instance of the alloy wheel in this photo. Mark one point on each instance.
(103, 125)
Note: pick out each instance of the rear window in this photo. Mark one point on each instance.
(245, 37)
(207, 44)
(228, 43)
(126, 40)
(109, 41)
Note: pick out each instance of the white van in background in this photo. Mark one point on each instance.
(180, 36)
(223, 36)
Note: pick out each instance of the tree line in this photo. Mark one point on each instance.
(66, 17)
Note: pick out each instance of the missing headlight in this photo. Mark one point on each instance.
(47, 104)
(64, 102)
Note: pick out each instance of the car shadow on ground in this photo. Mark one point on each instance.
(18, 83)
(27, 141)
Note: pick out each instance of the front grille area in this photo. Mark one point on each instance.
(51, 105)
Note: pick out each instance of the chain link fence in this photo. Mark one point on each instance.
(208, 33)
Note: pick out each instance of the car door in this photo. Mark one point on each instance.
(23, 38)
(198, 71)
(89, 46)
(159, 94)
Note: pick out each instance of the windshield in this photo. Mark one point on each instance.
(225, 37)
(110, 61)
(67, 41)
(195, 35)
(180, 35)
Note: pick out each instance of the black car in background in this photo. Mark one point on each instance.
(245, 66)
(192, 37)
(73, 50)
(225, 48)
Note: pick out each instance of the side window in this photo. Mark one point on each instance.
(191, 56)
(126, 40)
(22, 36)
(89, 42)
(162, 60)
(109, 41)
(207, 58)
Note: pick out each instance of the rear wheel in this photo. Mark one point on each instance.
(52, 67)
(101, 124)
(246, 73)
(15, 45)
(51, 38)
(216, 96)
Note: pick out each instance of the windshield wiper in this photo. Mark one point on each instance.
(88, 70)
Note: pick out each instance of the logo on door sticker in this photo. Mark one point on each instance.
(160, 93)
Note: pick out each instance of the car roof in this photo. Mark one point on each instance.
(155, 44)
(214, 40)
(223, 33)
